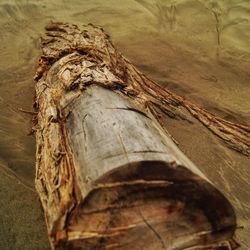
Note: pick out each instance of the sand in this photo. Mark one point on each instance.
(199, 49)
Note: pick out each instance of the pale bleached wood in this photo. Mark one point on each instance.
(107, 130)
(108, 175)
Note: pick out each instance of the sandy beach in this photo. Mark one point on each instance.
(198, 49)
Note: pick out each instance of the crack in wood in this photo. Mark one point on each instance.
(132, 109)
(158, 236)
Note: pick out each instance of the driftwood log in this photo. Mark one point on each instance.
(108, 173)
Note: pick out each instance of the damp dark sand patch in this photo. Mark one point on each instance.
(22, 224)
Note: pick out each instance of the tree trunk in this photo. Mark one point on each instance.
(108, 173)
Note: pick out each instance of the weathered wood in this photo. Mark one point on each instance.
(108, 174)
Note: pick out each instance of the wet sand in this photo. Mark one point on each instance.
(199, 49)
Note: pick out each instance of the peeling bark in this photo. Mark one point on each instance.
(108, 174)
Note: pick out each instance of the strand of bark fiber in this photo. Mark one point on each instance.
(65, 39)
(235, 135)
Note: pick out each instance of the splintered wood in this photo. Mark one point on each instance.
(108, 174)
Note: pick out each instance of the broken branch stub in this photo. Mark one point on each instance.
(108, 174)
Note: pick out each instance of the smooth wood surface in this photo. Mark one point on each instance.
(106, 130)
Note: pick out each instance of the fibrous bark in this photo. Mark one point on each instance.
(108, 174)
